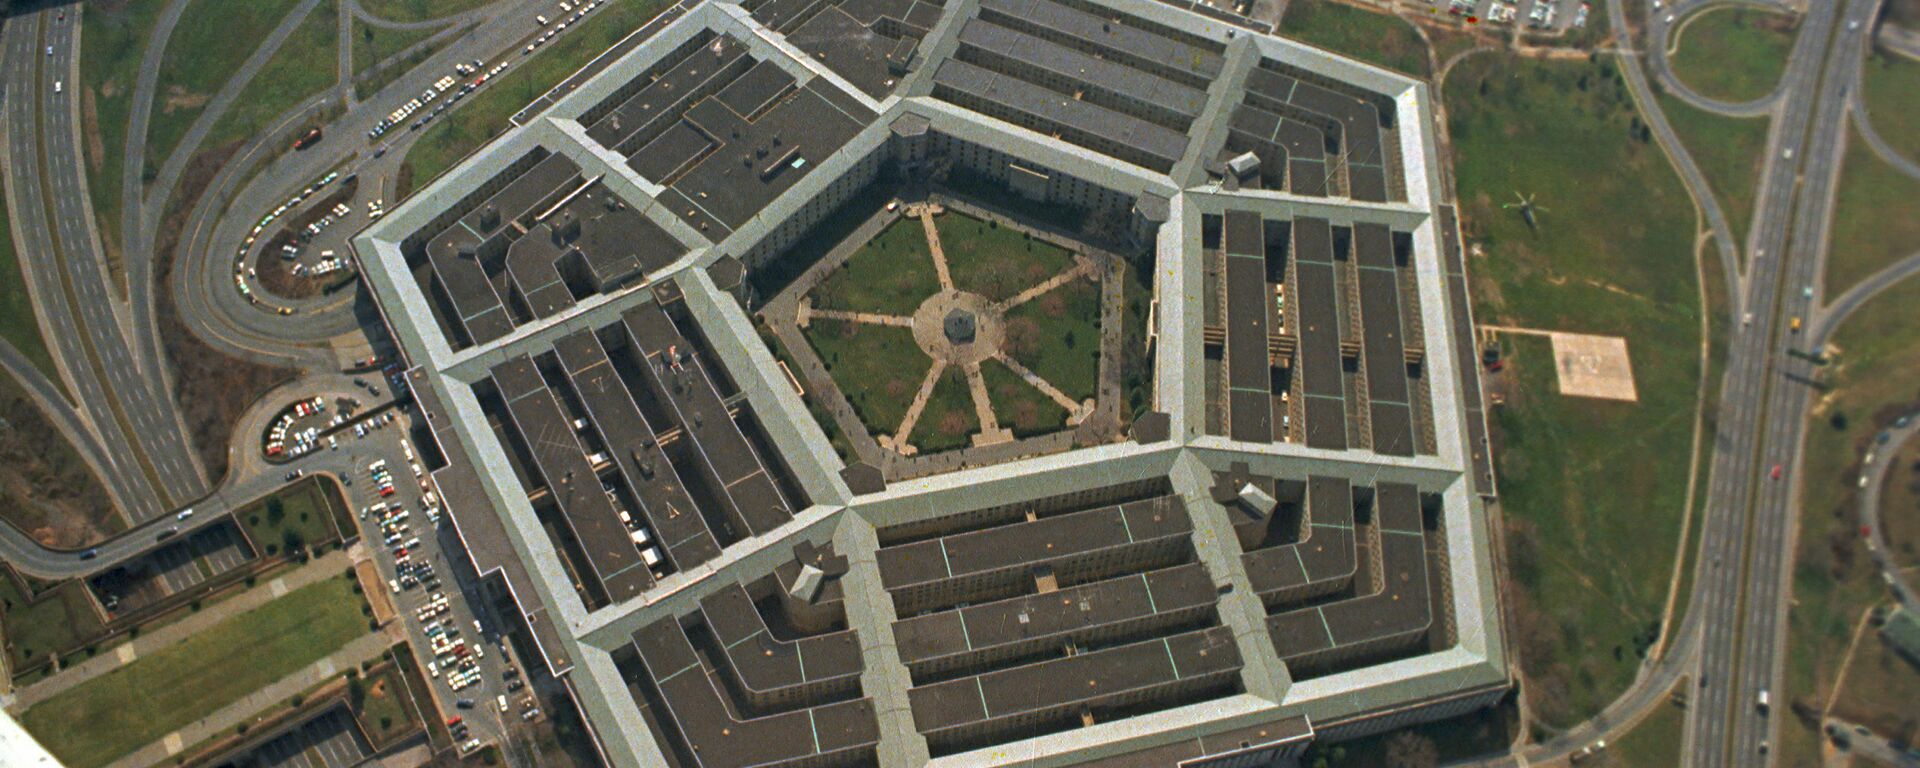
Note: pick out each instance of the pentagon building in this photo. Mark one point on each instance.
(1288, 544)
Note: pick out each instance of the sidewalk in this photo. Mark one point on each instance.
(368, 647)
(322, 568)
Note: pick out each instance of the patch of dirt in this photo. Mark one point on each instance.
(1906, 13)
(276, 274)
(180, 98)
(90, 124)
(47, 490)
(212, 389)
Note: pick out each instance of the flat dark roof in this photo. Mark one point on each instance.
(680, 379)
(765, 664)
(1114, 37)
(755, 161)
(696, 700)
(1460, 320)
(1028, 619)
(1324, 559)
(756, 89)
(1249, 322)
(1399, 609)
(1021, 544)
(690, 74)
(1160, 147)
(1073, 65)
(1290, 730)
(1129, 672)
(1319, 334)
(1384, 343)
(849, 47)
(570, 481)
(664, 504)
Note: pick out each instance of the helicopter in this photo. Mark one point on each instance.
(1527, 209)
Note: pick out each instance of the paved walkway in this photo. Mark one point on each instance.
(326, 567)
(990, 431)
(1075, 410)
(807, 313)
(366, 648)
(1082, 268)
(926, 213)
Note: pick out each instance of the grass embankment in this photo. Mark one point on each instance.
(1057, 336)
(1890, 83)
(1728, 151)
(116, 713)
(305, 65)
(890, 274)
(1900, 506)
(1871, 382)
(211, 42)
(302, 515)
(1367, 35)
(43, 619)
(1734, 53)
(407, 11)
(486, 114)
(877, 367)
(996, 262)
(948, 419)
(374, 45)
(1873, 221)
(113, 38)
(1614, 256)
(17, 323)
(46, 488)
(1654, 743)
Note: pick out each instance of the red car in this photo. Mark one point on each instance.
(1776, 472)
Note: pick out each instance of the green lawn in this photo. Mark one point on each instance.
(996, 263)
(1613, 256)
(1868, 230)
(421, 10)
(877, 367)
(212, 40)
(1654, 743)
(1872, 381)
(99, 720)
(372, 45)
(61, 619)
(1891, 82)
(1057, 335)
(1729, 152)
(948, 419)
(17, 323)
(113, 37)
(486, 114)
(890, 274)
(306, 65)
(1020, 406)
(1900, 507)
(304, 514)
(1732, 52)
(381, 704)
(1370, 36)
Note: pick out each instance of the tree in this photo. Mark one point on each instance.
(1407, 749)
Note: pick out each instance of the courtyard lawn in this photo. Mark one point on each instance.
(301, 515)
(101, 719)
(948, 420)
(1367, 35)
(113, 37)
(1057, 335)
(1834, 581)
(1891, 82)
(1729, 152)
(877, 367)
(1614, 256)
(34, 626)
(1867, 234)
(890, 274)
(373, 45)
(212, 40)
(994, 261)
(485, 115)
(303, 67)
(1020, 406)
(1733, 53)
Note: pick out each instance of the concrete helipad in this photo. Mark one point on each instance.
(1593, 366)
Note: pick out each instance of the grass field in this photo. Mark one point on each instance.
(372, 45)
(304, 514)
(306, 65)
(1865, 236)
(486, 114)
(1057, 335)
(382, 706)
(111, 715)
(56, 622)
(890, 274)
(994, 262)
(1654, 743)
(1891, 82)
(1614, 256)
(1834, 582)
(948, 419)
(212, 40)
(1020, 406)
(1733, 53)
(877, 367)
(17, 323)
(113, 37)
(1370, 36)
(418, 10)
(1728, 151)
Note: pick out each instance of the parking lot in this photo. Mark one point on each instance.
(1544, 15)
(327, 741)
